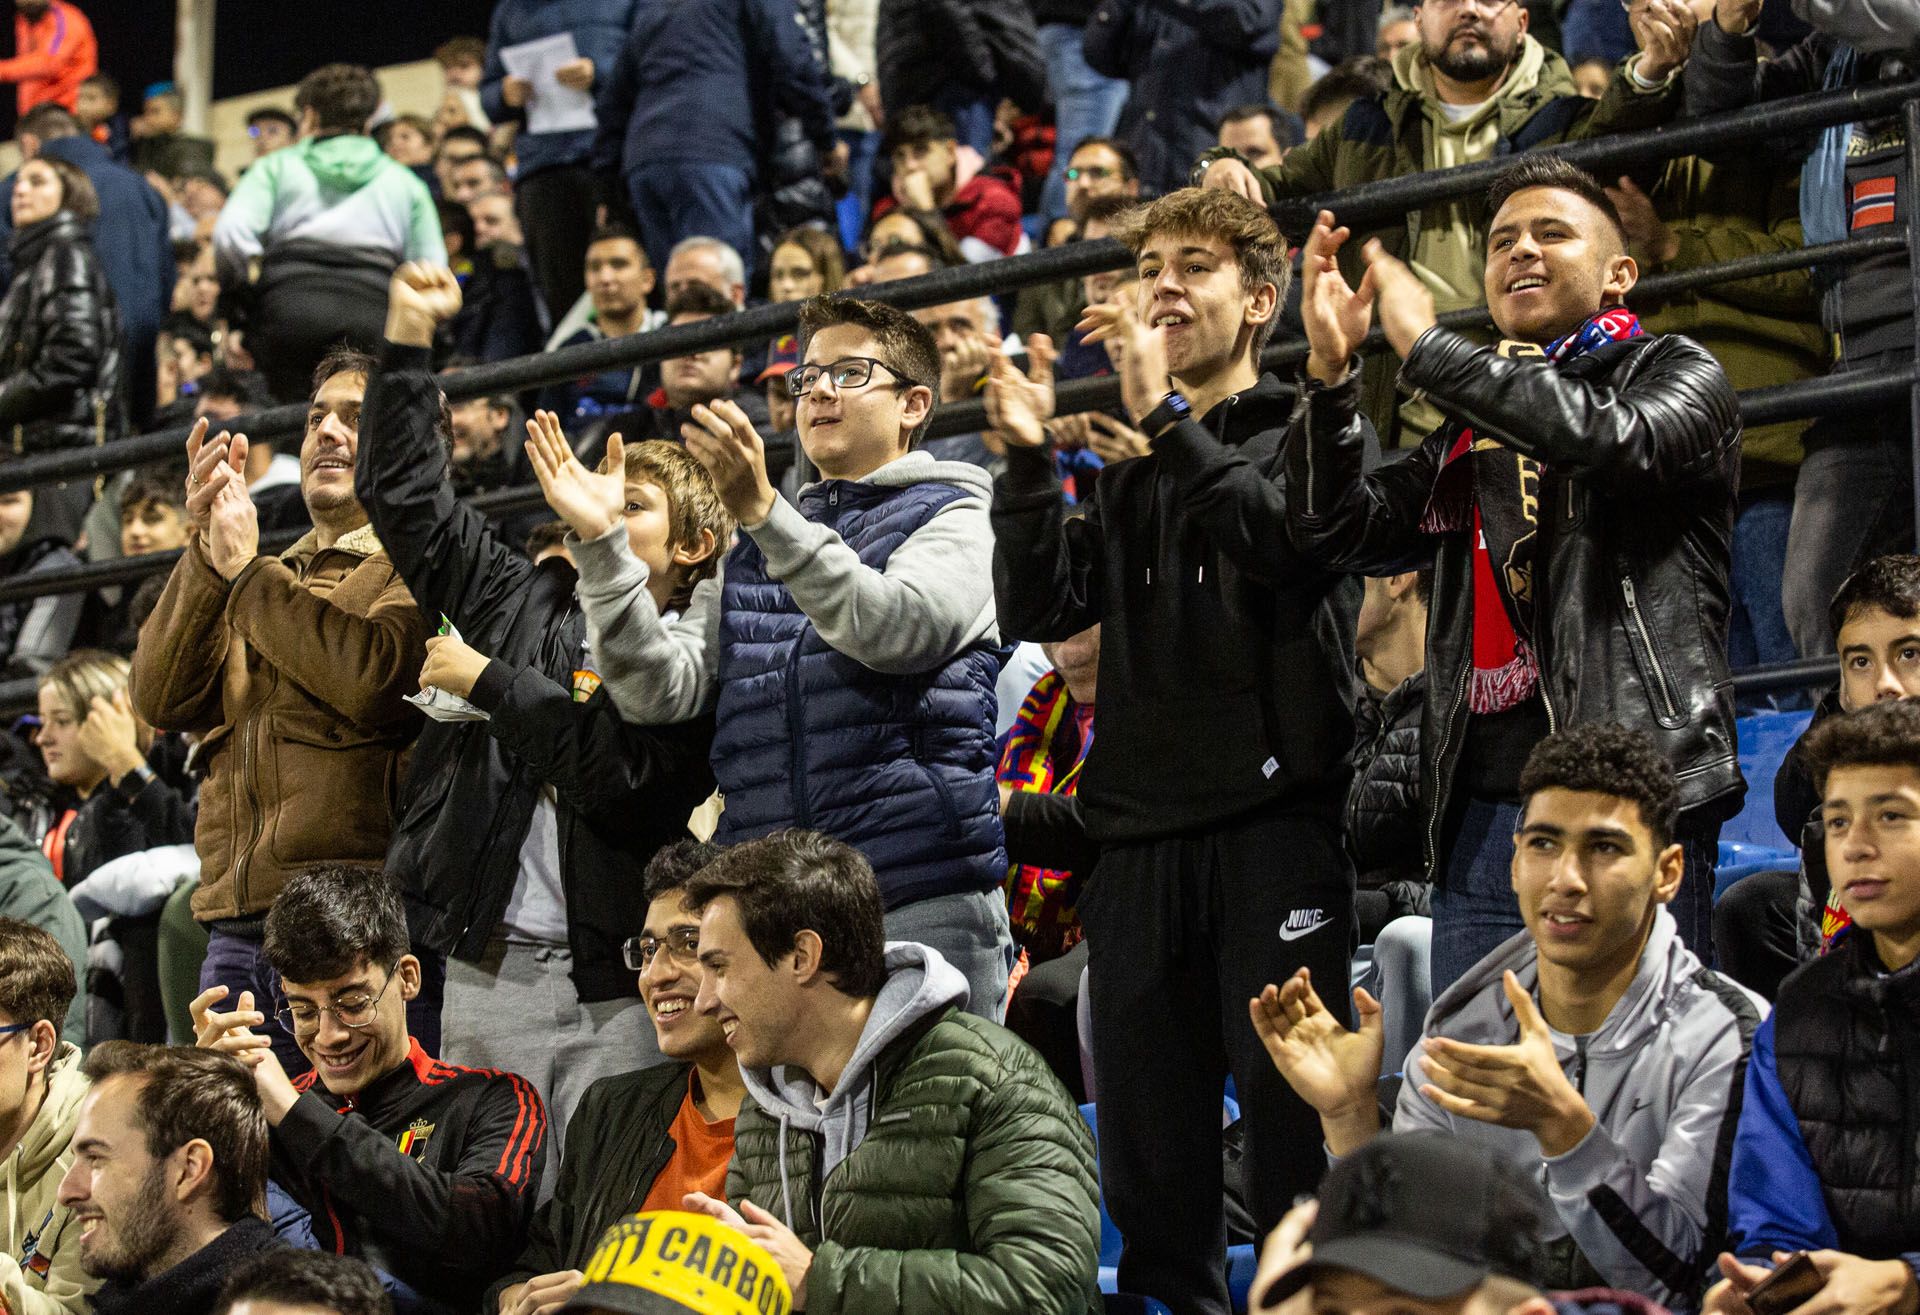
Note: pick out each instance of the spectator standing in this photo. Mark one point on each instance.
(554, 187)
(1475, 86)
(54, 52)
(170, 1162)
(40, 1270)
(427, 1171)
(129, 236)
(293, 670)
(981, 209)
(1085, 103)
(852, 58)
(97, 107)
(328, 221)
(500, 309)
(1186, 66)
(1852, 500)
(1232, 656)
(159, 146)
(520, 833)
(1820, 1161)
(681, 115)
(31, 894)
(962, 58)
(271, 129)
(848, 1045)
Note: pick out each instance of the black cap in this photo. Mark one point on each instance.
(1426, 1214)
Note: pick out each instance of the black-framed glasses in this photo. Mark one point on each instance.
(356, 1012)
(848, 372)
(11, 1028)
(682, 946)
(1096, 172)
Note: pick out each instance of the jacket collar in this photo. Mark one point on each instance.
(361, 542)
(391, 1089)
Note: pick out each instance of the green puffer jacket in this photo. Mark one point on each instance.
(972, 1192)
(1385, 137)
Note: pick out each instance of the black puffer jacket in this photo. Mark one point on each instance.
(989, 45)
(1847, 1048)
(1640, 440)
(1384, 818)
(59, 342)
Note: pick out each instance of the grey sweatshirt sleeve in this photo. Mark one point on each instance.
(657, 672)
(1412, 1111)
(1642, 1225)
(933, 600)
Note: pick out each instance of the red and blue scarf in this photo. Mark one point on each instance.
(1497, 495)
(1040, 900)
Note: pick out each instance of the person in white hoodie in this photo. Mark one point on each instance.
(893, 1153)
(41, 1087)
(849, 649)
(1593, 1047)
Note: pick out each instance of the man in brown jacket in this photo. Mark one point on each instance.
(293, 670)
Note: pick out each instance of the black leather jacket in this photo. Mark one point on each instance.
(59, 342)
(1641, 442)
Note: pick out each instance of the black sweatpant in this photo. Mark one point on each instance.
(298, 318)
(556, 208)
(1181, 934)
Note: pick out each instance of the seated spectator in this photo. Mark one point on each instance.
(61, 323)
(500, 312)
(523, 832)
(474, 176)
(456, 147)
(293, 670)
(708, 261)
(649, 1259)
(462, 62)
(698, 379)
(876, 584)
(1591, 75)
(909, 228)
(427, 1171)
(1327, 100)
(31, 894)
(1593, 1048)
(202, 193)
(129, 235)
(549, 539)
(1261, 134)
(328, 220)
(169, 1164)
(650, 1136)
(184, 352)
(196, 290)
(1102, 175)
(683, 109)
(35, 632)
(289, 1281)
(271, 129)
(480, 458)
(619, 281)
(1388, 1234)
(1397, 28)
(408, 140)
(152, 519)
(981, 209)
(54, 51)
(1768, 924)
(1821, 1163)
(97, 108)
(855, 1044)
(806, 263)
(159, 145)
(40, 1270)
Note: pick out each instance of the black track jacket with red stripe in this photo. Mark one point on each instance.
(430, 1174)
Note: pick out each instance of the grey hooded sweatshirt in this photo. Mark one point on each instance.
(1643, 1197)
(933, 600)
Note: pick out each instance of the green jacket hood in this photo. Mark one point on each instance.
(345, 163)
(1536, 75)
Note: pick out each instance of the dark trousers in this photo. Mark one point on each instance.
(677, 199)
(1181, 934)
(556, 208)
(300, 317)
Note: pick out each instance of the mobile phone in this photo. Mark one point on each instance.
(1789, 1287)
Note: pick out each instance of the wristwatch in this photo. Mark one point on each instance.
(129, 786)
(1172, 410)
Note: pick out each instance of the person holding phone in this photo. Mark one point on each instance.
(1822, 1174)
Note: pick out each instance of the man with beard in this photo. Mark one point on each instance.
(1474, 86)
(169, 1156)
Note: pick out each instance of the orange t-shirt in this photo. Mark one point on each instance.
(699, 1162)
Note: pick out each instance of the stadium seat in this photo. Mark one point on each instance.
(1765, 738)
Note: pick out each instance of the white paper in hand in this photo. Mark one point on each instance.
(440, 705)
(551, 107)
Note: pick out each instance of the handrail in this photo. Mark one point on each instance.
(1771, 120)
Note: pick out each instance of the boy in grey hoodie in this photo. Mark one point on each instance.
(1593, 1047)
(894, 1153)
(849, 649)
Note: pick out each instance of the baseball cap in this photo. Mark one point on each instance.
(1425, 1214)
(782, 357)
(673, 1262)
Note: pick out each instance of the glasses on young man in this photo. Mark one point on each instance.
(356, 1011)
(682, 946)
(849, 372)
(11, 1028)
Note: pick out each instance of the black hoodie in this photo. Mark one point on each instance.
(1220, 666)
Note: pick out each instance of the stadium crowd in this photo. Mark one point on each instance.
(710, 894)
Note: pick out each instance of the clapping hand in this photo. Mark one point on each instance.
(234, 530)
(1664, 30)
(1335, 1070)
(590, 502)
(1020, 405)
(1405, 305)
(1335, 315)
(723, 439)
(209, 466)
(1518, 1086)
(1143, 358)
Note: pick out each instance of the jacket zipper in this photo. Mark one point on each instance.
(1656, 673)
(1446, 738)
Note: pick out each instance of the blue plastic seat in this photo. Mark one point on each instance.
(1765, 738)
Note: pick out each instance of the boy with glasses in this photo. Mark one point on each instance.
(850, 651)
(427, 1171)
(641, 1140)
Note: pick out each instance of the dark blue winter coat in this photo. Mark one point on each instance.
(899, 766)
(599, 29)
